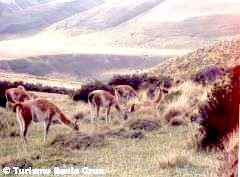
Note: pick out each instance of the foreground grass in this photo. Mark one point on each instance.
(169, 151)
(166, 152)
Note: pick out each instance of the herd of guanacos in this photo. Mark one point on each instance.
(29, 107)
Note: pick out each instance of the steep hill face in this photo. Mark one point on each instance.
(39, 15)
(9, 7)
(141, 12)
(144, 24)
(107, 15)
(224, 54)
(156, 24)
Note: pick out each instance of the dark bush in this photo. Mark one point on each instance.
(220, 116)
(208, 75)
(137, 81)
(82, 94)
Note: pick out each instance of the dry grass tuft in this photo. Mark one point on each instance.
(175, 159)
(229, 165)
(182, 102)
(8, 124)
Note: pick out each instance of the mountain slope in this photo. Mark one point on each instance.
(191, 33)
(105, 16)
(223, 54)
(8, 7)
(165, 24)
(42, 15)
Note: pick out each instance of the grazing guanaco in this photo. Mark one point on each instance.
(150, 103)
(40, 110)
(16, 95)
(124, 93)
(102, 98)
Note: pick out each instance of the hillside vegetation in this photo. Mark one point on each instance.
(155, 149)
(152, 142)
(222, 54)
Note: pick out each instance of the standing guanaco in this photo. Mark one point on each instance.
(102, 98)
(125, 93)
(15, 95)
(40, 110)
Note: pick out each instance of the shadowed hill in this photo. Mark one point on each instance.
(79, 66)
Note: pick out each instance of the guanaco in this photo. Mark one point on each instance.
(150, 103)
(124, 93)
(40, 110)
(102, 98)
(16, 95)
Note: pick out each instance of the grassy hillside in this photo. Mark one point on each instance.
(223, 54)
(152, 142)
(164, 151)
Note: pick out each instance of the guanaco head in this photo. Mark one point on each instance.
(21, 87)
(75, 125)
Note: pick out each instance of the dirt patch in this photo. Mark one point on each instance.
(144, 124)
(21, 163)
(176, 121)
(83, 141)
(172, 113)
(125, 133)
(79, 141)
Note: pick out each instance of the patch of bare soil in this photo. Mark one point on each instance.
(125, 133)
(83, 141)
(144, 124)
(21, 163)
(79, 141)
